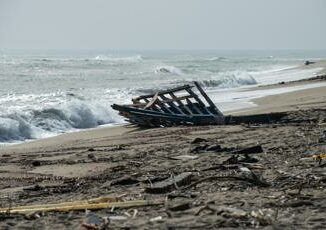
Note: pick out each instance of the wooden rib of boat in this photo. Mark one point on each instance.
(177, 106)
(181, 106)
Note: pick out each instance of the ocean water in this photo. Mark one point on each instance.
(43, 94)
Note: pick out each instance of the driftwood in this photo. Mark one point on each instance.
(252, 149)
(170, 184)
(92, 204)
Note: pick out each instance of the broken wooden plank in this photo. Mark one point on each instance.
(157, 110)
(152, 102)
(64, 207)
(175, 99)
(170, 184)
(193, 108)
(195, 96)
(248, 150)
(209, 101)
(185, 87)
(200, 102)
(171, 104)
(181, 105)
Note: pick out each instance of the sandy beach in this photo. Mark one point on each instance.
(162, 115)
(280, 186)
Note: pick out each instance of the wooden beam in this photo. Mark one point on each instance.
(194, 108)
(163, 106)
(209, 101)
(200, 102)
(167, 100)
(182, 106)
(171, 104)
(152, 102)
(164, 92)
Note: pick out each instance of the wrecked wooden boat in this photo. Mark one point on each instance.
(182, 106)
(177, 106)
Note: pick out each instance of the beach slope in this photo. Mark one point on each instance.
(280, 185)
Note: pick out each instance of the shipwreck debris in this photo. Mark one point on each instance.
(177, 106)
(170, 183)
(182, 106)
(249, 150)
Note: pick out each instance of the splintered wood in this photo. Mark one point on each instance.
(178, 106)
(182, 106)
(92, 204)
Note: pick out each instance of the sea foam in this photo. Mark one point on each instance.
(38, 123)
(168, 70)
(136, 58)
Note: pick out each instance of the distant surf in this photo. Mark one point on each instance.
(168, 70)
(135, 58)
(45, 95)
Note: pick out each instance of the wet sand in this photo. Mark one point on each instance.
(277, 188)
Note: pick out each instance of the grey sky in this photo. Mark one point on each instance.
(163, 24)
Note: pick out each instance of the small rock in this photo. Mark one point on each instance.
(170, 183)
(184, 157)
(196, 149)
(158, 218)
(248, 159)
(232, 160)
(125, 180)
(36, 163)
(93, 221)
(180, 206)
(198, 140)
(92, 156)
(215, 148)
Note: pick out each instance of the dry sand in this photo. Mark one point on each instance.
(274, 189)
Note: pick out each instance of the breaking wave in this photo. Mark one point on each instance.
(230, 79)
(217, 59)
(136, 58)
(50, 121)
(223, 80)
(168, 70)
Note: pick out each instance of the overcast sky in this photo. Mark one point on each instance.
(163, 24)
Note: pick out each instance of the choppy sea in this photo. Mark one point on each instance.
(46, 93)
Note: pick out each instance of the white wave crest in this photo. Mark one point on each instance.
(230, 79)
(136, 58)
(168, 70)
(217, 59)
(50, 121)
(14, 128)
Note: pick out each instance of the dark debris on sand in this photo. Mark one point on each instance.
(260, 175)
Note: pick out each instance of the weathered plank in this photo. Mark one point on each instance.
(157, 110)
(179, 102)
(185, 87)
(152, 102)
(194, 108)
(170, 184)
(209, 101)
(171, 104)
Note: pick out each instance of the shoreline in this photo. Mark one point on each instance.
(247, 102)
(292, 100)
(124, 161)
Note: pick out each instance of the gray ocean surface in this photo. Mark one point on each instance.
(46, 93)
